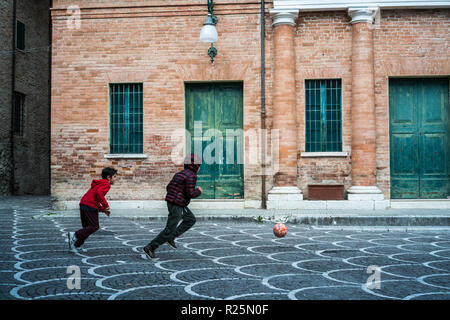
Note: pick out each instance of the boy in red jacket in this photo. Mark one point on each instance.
(91, 203)
(180, 190)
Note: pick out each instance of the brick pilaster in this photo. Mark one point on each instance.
(284, 109)
(363, 108)
(363, 102)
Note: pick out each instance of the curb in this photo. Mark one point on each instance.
(311, 220)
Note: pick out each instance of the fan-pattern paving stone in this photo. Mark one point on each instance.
(220, 260)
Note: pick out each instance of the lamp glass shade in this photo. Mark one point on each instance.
(208, 33)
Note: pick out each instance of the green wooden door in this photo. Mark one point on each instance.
(214, 119)
(419, 138)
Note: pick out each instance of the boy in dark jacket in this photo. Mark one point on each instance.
(180, 190)
(91, 203)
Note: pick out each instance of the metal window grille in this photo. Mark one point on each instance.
(19, 99)
(126, 118)
(323, 113)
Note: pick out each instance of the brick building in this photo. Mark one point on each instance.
(354, 98)
(24, 97)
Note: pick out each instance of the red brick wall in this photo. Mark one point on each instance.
(407, 43)
(160, 48)
(324, 51)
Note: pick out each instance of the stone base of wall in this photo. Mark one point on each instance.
(160, 204)
(420, 204)
(365, 193)
(256, 204)
(331, 205)
(284, 198)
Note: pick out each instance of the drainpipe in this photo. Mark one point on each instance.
(13, 89)
(263, 109)
(49, 90)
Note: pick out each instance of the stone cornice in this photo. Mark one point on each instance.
(281, 17)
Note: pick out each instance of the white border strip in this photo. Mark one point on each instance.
(314, 5)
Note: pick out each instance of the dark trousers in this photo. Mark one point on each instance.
(172, 229)
(89, 222)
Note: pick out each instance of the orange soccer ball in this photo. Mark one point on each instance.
(280, 230)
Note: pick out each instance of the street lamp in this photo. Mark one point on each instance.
(209, 32)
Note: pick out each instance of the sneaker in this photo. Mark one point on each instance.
(75, 249)
(71, 239)
(150, 253)
(171, 243)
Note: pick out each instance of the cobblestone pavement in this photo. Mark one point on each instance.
(221, 260)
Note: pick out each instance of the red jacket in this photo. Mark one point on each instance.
(95, 197)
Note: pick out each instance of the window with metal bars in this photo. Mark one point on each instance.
(323, 113)
(126, 118)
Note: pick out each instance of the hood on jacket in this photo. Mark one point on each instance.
(100, 182)
(192, 163)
